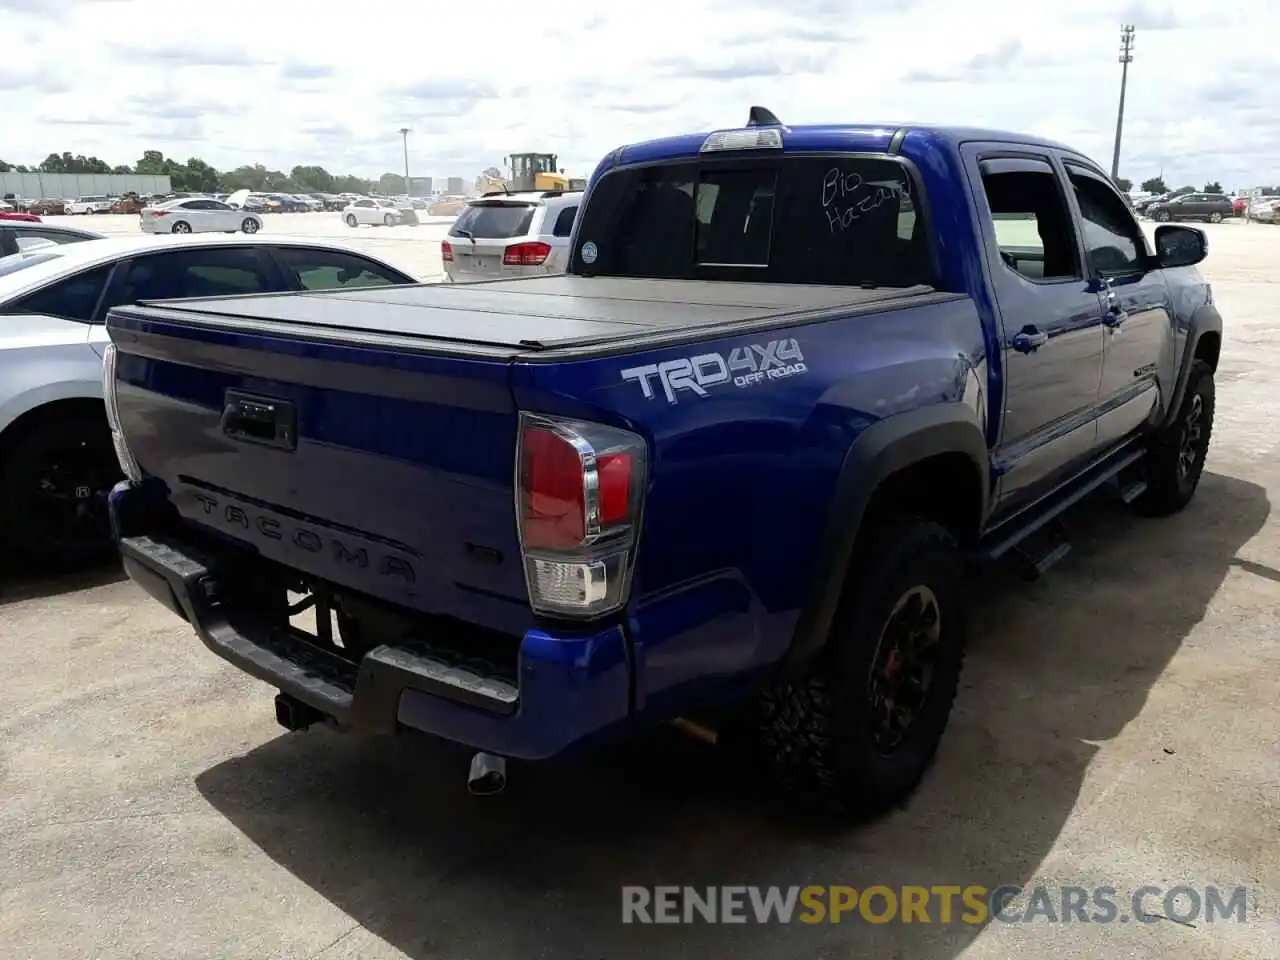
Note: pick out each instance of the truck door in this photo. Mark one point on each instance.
(1050, 318)
(1138, 345)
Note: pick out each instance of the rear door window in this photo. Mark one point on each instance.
(194, 272)
(564, 222)
(74, 298)
(822, 220)
(494, 221)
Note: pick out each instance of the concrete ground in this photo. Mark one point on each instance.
(1117, 727)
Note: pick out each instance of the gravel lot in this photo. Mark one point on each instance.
(1117, 727)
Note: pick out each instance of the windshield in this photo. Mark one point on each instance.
(821, 220)
(494, 221)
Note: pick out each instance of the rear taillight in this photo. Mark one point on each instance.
(580, 487)
(128, 465)
(446, 250)
(532, 254)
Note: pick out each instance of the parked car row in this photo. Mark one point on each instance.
(57, 461)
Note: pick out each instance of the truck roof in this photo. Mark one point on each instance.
(850, 137)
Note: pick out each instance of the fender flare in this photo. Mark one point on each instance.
(881, 450)
(1204, 319)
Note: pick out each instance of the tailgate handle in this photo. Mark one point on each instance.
(264, 420)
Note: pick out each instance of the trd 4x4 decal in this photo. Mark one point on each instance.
(744, 367)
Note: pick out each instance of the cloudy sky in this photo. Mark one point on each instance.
(286, 83)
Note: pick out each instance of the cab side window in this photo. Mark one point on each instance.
(1112, 239)
(74, 298)
(1031, 219)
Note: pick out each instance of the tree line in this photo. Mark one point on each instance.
(1158, 185)
(196, 176)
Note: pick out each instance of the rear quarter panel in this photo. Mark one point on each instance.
(43, 359)
(741, 480)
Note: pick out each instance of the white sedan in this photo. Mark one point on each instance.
(376, 213)
(57, 463)
(197, 215)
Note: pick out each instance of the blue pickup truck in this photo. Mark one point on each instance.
(732, 467)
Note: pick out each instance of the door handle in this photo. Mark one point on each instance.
(264, 420)
(1029, 340)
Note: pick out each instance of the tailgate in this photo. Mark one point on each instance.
(384, 471)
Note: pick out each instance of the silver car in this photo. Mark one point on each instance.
(511, 235)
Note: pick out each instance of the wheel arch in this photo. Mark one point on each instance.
(1204, 342)
(933, 460)
(46, 413)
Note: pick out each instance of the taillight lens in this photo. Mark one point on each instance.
(128, 465)
(580, 490)
(446, 250)
(526, 254)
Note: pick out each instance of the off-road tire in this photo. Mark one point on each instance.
(1169, 487)
(816, 732)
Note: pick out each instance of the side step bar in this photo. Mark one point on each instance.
(1041, 541)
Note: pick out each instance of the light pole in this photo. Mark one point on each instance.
(404, 134)
(1126, 58)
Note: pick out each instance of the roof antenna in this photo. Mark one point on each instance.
(762, 117)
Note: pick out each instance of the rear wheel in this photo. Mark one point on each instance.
(857, 733)
(181, 227)
(352, 221)
(389, 220)
(53, 491)
(1215, 217)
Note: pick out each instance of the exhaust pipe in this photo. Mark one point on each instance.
(293, 714)
(488, 775)
(697, 731)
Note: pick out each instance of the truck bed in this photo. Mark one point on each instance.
(533, 318)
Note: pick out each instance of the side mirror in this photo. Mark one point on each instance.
(1179, 246)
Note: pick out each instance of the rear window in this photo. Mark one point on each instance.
(494, 221)
(798, 219)
(20, 261)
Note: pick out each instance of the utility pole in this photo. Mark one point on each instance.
(404, 134)
(1126, 58)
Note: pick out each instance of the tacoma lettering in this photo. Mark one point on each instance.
(304, 538)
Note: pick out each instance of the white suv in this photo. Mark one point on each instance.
(511, 235)
(89, 205)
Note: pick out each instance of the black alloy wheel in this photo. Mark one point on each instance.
(902, 671)
(54, 487)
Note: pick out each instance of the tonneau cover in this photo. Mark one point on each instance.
(532, 314)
